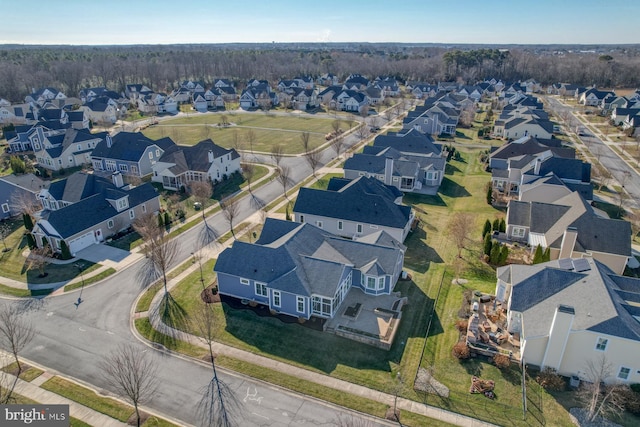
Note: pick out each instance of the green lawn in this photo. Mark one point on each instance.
(29, 373)
(18, 399)
(269, 130)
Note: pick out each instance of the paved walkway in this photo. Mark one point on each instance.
(33, 391)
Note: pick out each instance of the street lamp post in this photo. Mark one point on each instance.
(80, 267)
(197, 258)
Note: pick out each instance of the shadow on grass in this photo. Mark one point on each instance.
(450, 169)
(173, 315)
(473, 366)
(227, 187)
(418, 199)
(451, 188)
(421, 256)
(308, 347)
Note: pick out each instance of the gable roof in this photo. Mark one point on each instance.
(531, 145)
(302, 259)
(365, 200)
(129, 146)
(603, 302)
(196, 157)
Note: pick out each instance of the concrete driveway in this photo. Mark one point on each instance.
(98, 254)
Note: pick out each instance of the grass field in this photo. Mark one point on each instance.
(269, 130)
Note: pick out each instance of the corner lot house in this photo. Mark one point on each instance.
(303, 271)
(85, 209)
(357, 208)
(572, 311)
(14, 189)
(181, 165)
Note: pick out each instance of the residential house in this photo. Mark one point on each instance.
(84, 209)
(101, 110)
(349, 100)
(182, 95)
(388, 85)
(593, 97)
(219, 83)
(473, 92)
(304, 99)
(215, 98)
(622, 116)
(200, 103)
(447, 86)
(205, 161)
(356, 82)
(572, 312)
(130, 153)
(527, 145)
(14, 114)
(410, 162)
(303, 271)
(518, 127)
(375, 95)
(610, 103)
(23, 137)
(16, 190)
(328, 79)
(258, 95)
(355, 208)
(304, 82)
(79, 119)
(570, 227)
(423, 90)
(192, 86)
(66, 150)
(133, 91)
(41, 96)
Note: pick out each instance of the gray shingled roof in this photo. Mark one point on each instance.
(196, 157)
(365, 200)
(301, 259)
(129, 146)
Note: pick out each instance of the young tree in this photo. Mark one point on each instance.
(39, 259)
(486, 229)
(283, 175)
(335, 125)
(362, 131)
(494, 256)
(313, 160)
(538, 255)
(248, 171)
(459, 229)
(487, 244)
(236, 141)
(201, 192)
(218, 403)
(132, 374)
(230, 209)
(277, 153)
(250, 137)
(159, 249)
(337, 144)
(304, 139)
(504, 255)
(503, 226)
(496, 225)
(598, 398)
(15, 334)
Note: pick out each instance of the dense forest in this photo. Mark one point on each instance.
(70, 68)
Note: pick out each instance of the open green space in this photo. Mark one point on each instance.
(269, 130)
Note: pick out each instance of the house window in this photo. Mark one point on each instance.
(134, 169)
(602, 344)
(301, 219)
(276, 298)
(5, 207)
(261, 289)
(300, 304)
(244, 281)
(157, 153)
(380, 283)
(319, 224)
(132, 214)
(340, 225)
(395, 179)
(79, 147)
(623, 374)
(375, 227)
(151, 155)
(518, 232)
(123, 168)
(371, 282)
(144, 208)
(359, 228)
(110, 223)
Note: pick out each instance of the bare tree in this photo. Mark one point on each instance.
(236, 141)
(362, 131)
(5, 231)
(335, 125)
(218, 403)
(337, 144)
(25, 203)
(388, 114)
(251, 139)
(159, 249)
(15, 334)
(304, 138)
(132, 373)
(230, 209)
(460, 227)
(201, 192)
(313, 160)
(600, 399)
(277, 153)
(248, 171)
(283, 176)
(39, 259)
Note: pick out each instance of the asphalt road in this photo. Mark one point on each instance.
(73, 338)
(619, 169)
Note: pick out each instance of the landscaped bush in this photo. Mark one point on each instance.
(631, 399)
(461, 351)
(502, 361)
(462, 325)
(550, 380)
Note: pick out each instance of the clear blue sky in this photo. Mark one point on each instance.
(99, 22)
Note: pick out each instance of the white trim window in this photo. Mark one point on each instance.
(110, 224)
(340, 225)
(261, 289)
(601, 345)
(518, 232)
(244, 281)
(359, 228)
(623, 373)
(300, 306)
(5, 207)
(319, 224)
(132, 214)
(276, 299)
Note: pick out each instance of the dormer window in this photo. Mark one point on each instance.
(123, 203)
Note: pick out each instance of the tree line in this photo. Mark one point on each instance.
(70, 68)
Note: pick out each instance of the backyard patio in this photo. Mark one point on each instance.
(487, 332)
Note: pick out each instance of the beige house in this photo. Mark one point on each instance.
(569, 312)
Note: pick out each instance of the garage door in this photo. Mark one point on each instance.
(81, 242)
